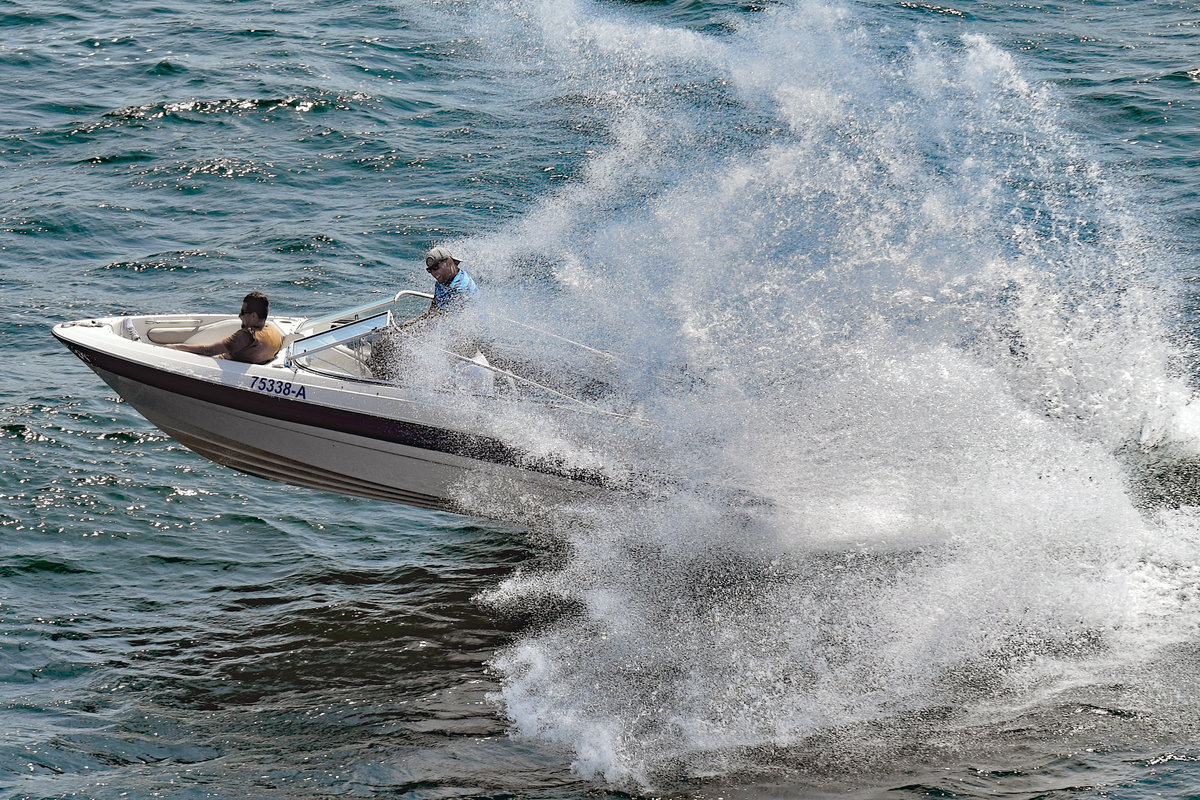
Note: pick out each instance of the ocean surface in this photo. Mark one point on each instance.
(931, 268)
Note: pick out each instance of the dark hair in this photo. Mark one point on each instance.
(258, 303)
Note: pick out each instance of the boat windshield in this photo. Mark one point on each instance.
(341, 351)
(406, 304)
(339, 344)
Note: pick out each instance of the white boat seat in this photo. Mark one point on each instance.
(211, 333)
(170, 334)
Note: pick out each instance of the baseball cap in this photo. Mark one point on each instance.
(440, 254)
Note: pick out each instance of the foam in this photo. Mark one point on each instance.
(922, 333)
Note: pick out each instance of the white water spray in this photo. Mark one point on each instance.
(917, 324)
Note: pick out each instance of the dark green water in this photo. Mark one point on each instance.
(936, 264)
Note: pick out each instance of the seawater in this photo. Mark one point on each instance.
(905, 291)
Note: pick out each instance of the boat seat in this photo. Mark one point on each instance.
(211, 333)
(170, 334)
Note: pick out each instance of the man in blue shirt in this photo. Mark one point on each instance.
(453, 287)
(453, 291)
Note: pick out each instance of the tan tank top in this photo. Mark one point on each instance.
(254, 346)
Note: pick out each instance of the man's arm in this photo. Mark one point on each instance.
(230, 344)
(217, 349)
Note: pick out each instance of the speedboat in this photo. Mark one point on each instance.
(322, 415)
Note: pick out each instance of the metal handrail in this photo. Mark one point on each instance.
(360, 312)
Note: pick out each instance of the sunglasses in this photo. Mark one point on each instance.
(431, 265)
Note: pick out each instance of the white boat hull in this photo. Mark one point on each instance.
(278, 423)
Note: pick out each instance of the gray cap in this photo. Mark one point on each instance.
(441, 254)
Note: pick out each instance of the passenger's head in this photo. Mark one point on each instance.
(441, 265)
(254, 309)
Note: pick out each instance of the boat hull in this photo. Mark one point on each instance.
(317, 432)
(293, 453)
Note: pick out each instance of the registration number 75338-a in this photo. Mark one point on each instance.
(281, 388)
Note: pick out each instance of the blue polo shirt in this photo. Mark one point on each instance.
(460, 290)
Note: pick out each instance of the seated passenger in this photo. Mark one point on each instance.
(253, 343)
